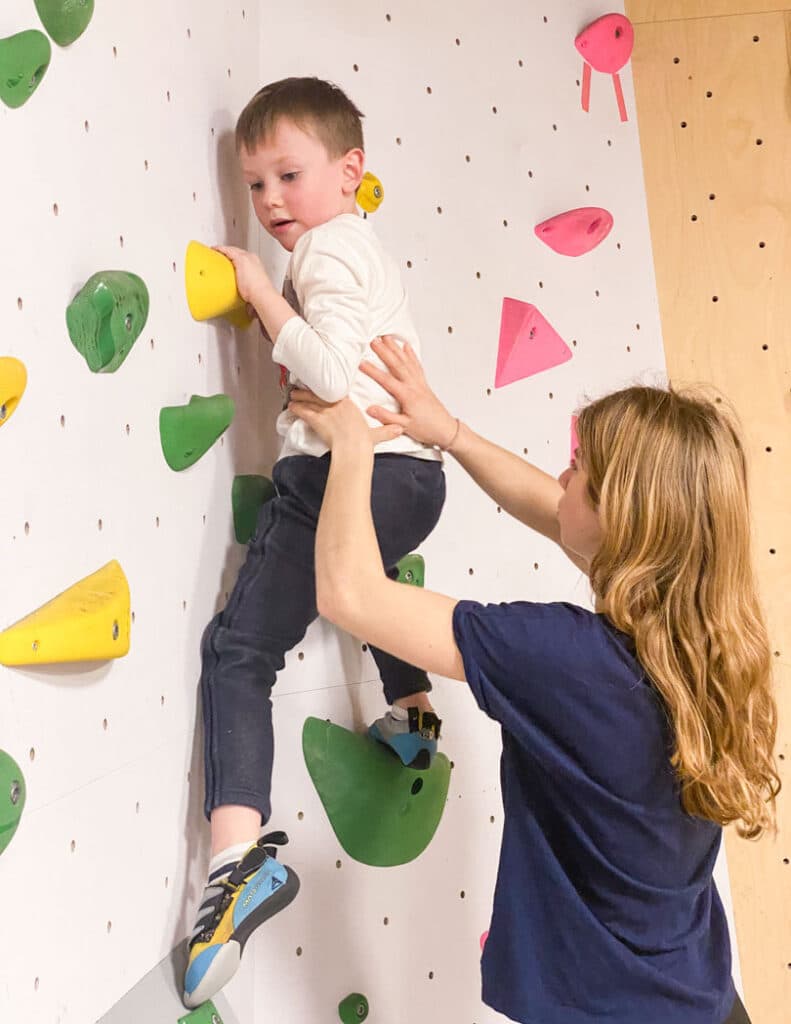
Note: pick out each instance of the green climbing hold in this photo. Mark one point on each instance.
(205, 1014)
(412, 570)
(188, 431)
(65, 20)
(106, 317)
(24, 59)
(12, 798)
(353, 1008)
(248, 494)
(382, 812)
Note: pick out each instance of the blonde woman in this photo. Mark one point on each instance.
(631, 734)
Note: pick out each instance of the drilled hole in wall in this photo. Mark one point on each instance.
(478, 274)
(104, 724)
(299, 950)
(115, 51)
(458, 41)
(759, 142)
(121, 240)
(709, 94)
(189, 34)
(471, 572)
(19, 303)
(712, 195)
(388, 18)
(494, 110)
(683, 124)
(398, 140)
(109, 927)
(431, 975)
(55, 209)
(27, 529)
(467, 157)
(86, 126)
(73, 845)
(386, 920)
(491, 819)
(63, 421)
(32, 754)
(676, 60)
(462, 894)
(137, 807)
(35, 985)
(355, 67)
(715, 298)
(428, 89)
(409, 264)
(99, 524)
(300, 815)
(168, 95)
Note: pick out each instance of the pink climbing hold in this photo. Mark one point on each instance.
(484, 937)
(606, 45)
(577, 231)
(528, 343)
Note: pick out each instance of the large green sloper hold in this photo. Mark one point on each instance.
(382, 812)
(24, 59)
(188, 431)
(248, 494)
(12, 798)
(106, 317)
(65, 20)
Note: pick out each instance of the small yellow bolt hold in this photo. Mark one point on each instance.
(210, 281)
(370, 193)
(88, 622)
(13, 381)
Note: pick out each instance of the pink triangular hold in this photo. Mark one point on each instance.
(528, 343)
(576, 232)
(607, 43)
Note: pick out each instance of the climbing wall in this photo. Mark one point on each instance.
(475, 127)
(720, 238)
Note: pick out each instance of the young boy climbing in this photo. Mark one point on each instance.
(300, 145)
(631, 734)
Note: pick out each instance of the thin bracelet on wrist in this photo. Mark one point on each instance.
(449, 445)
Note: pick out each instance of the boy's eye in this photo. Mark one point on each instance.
(289, 176)
(256, 186)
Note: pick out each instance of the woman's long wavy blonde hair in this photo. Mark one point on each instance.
(668, 473)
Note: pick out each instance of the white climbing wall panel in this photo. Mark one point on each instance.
(474, 125)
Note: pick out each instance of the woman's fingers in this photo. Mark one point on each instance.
(387, 416)
(386, 433)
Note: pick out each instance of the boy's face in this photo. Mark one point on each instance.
(296, 185)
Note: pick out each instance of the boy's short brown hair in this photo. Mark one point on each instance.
(315, 106)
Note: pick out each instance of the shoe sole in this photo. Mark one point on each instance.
(226, 963)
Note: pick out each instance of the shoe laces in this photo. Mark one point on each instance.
(228, 887)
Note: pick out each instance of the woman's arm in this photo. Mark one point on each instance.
(522, 489)
(351, 587)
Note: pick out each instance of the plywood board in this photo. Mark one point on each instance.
(712, 102)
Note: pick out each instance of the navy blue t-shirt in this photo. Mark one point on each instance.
(605, 908)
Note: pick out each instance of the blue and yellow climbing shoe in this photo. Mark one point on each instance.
(413, 739)
(235, 905)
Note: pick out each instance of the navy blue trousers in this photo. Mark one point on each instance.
(274, 602)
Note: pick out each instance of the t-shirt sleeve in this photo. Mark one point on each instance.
(525, 664)
(323, 348)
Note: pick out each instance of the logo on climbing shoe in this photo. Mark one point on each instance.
(276, 883)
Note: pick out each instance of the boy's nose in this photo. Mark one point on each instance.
(563, 479)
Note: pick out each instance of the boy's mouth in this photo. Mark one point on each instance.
(281, 225)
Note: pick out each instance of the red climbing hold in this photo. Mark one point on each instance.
(577, 231)
(528, 343)
(605, 45)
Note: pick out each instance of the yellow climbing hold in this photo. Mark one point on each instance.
(210, 281)
(370, 193)
(13, 380)
(88, 622)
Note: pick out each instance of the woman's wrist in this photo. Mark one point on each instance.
(453, 436)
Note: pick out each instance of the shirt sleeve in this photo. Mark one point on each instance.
(323, 348)
(525, 664)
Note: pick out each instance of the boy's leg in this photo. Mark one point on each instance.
(243, 648)
(406, 501)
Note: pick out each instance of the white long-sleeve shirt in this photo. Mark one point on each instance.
(346, 291)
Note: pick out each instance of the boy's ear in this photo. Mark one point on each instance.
(353, 170)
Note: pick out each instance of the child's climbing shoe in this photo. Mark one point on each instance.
(235, 904)
(414, 738)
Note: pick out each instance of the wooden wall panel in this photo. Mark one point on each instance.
(713, 101)
(675, 10)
